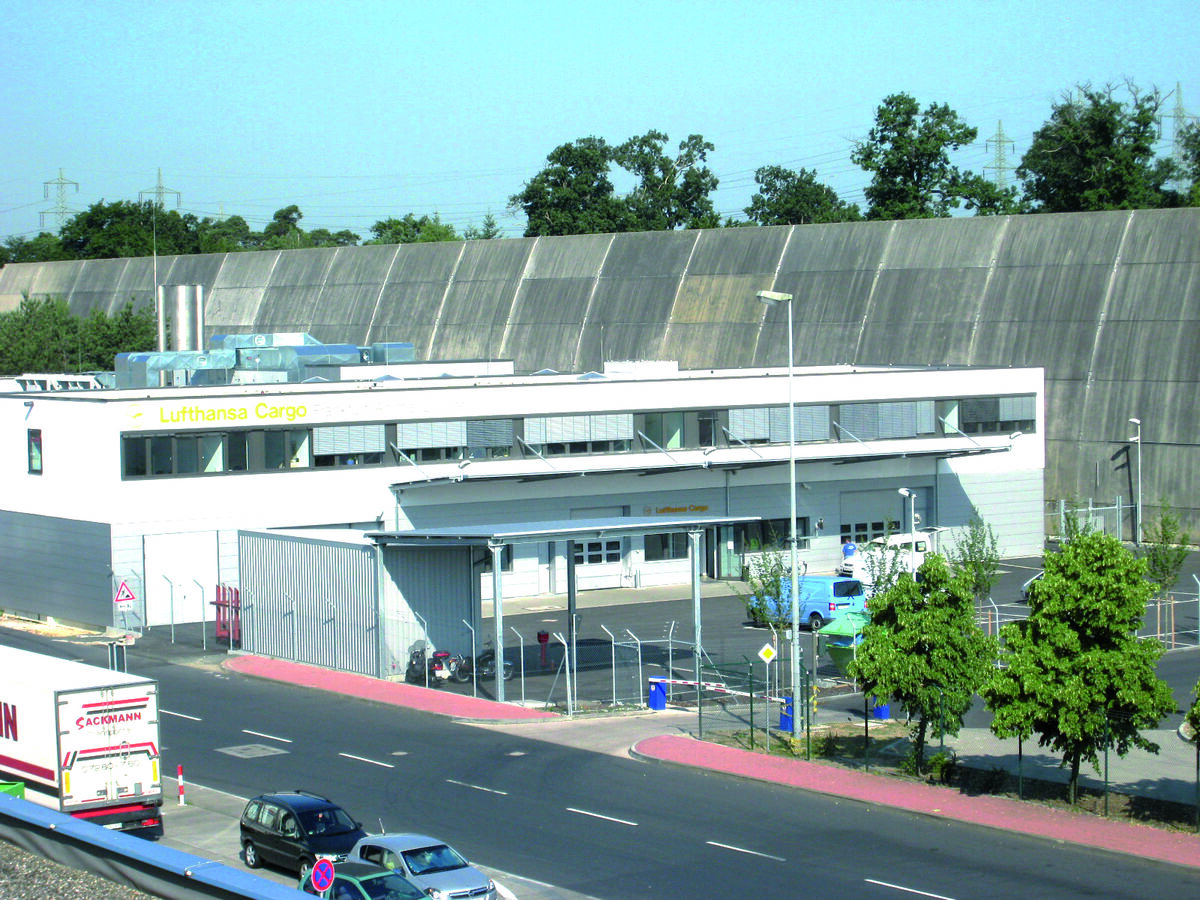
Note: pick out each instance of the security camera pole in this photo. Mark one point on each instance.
(772, 298)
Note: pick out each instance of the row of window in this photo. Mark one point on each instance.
(265, 450)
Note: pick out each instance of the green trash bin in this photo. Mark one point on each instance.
(15, 788)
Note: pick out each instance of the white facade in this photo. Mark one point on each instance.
(639, 440)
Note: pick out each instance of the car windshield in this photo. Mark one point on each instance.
(326, 821)
(438, 858)
(390, 886)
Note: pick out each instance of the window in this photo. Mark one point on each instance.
(506, 559)
(771, 534)
(666, 546)
(595, 552)
(35, 451)
(665, 429)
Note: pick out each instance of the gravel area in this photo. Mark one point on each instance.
(26, 876)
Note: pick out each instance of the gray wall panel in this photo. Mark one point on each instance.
(1107, 299)
(61, 568)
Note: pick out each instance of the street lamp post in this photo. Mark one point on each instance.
(1137, 534)
(912, 529)
(773, 298)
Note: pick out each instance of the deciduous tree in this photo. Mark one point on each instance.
(785, 197)
(1096, 152)
(1074, 672)
(907, 153)
(924, 649)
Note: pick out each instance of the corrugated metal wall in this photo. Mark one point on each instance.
(56, 567)
(1108, 303)
(310, 601)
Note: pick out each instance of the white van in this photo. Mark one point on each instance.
(910, 550)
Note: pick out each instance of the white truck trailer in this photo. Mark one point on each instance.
(83, 739)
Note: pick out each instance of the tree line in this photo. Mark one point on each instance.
(45, 336)
(1094, 152)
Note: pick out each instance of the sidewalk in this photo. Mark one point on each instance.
(665, 737)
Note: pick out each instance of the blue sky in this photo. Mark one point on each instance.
(357, 110)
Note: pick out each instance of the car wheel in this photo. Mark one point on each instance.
(305, 866)
(251, 854)
(815, 622)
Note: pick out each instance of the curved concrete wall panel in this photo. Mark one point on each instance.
(1108, 303)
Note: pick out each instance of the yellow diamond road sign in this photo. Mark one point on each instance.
(767, 653)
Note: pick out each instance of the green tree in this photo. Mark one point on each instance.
(102, 337)
(39, 336)
(1074, 672)
(573, 194)
(672, 191)
(976, 557)
(412, 230)
(226, 236)
(1096, 152)
(907, 153)
(1164, 548)
(127, 229)
(45, 247)
(785, 197)
(488, 231)
(924, 649)
(1189, 141)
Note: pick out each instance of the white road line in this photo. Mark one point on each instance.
(167, 712)
(269, 737)
(897, 887)
(744, 850)
(373, 762)
(476, 787)
(596, 815)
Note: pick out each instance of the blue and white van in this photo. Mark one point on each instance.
(822, 599)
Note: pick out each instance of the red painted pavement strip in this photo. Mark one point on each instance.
(412, 696)
(996, 812)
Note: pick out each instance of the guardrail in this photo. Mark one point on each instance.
(125, 859)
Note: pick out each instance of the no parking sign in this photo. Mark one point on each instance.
(321, 875)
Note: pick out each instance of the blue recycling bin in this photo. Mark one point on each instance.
(786, 714)
(658, 694)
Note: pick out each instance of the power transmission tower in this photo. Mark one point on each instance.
(1179, 121)
(159, 192)
(60, 210)
(1000, 164)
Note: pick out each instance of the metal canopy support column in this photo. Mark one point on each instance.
(571, 597)
(694, 561)
(498, 613)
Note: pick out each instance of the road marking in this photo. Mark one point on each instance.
(269, 737)
(167, 712)
(897, 887)
(476, 787)
(744, 850)
(596, 815)
(373, 762)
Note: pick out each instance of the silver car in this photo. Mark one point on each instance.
(435, 867)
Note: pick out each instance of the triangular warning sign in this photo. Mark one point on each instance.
(124, 594)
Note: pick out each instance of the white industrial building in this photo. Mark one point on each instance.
(150, 486)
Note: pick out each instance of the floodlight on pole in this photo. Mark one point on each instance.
(1137, 534)
(912, 529)
(773, 298)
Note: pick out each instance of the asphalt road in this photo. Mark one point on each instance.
(592, 823)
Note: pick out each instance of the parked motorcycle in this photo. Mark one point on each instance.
(432, 671)
(484, 664)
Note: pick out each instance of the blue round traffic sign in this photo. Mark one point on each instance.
(322, 874)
